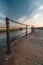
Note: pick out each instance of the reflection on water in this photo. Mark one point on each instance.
(13, 35)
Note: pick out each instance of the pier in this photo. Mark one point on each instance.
(25, 50)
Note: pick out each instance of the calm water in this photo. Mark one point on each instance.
(13, 35)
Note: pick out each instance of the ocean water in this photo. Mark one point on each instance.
(13, 36)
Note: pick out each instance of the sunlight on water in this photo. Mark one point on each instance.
(13, 35)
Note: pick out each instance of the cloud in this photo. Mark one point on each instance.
(2, 19)
(37, 16)
(2, 23)
(24, 20)
(21, 19)
(36, 20)
(2, 15)
(37, 13)
(40, 8)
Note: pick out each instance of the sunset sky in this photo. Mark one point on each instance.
(25, 11)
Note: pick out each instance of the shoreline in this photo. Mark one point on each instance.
(11, 30)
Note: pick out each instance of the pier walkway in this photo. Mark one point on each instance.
(28, 50)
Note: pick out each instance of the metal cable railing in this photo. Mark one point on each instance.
(8, 34)
(17, 22)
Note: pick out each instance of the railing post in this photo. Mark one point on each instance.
(26, 29)
(7, 32)
(32, 29)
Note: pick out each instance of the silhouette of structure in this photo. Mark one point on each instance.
(32, 29)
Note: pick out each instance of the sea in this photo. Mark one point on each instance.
(13, 35)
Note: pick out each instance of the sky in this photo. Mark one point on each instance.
(24, 11)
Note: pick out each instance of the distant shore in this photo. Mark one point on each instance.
(10, 29)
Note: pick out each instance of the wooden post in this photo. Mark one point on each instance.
(7, 32)
(32, 29)
(26, 30)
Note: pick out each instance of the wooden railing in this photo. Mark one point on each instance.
(8, 35)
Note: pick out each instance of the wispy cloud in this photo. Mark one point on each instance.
(40, 8)
(22, 18)
(2, 15)
(35, 17)
(2, 23)
(2, 20)
(36, 20)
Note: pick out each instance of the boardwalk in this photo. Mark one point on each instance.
(28, 50)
